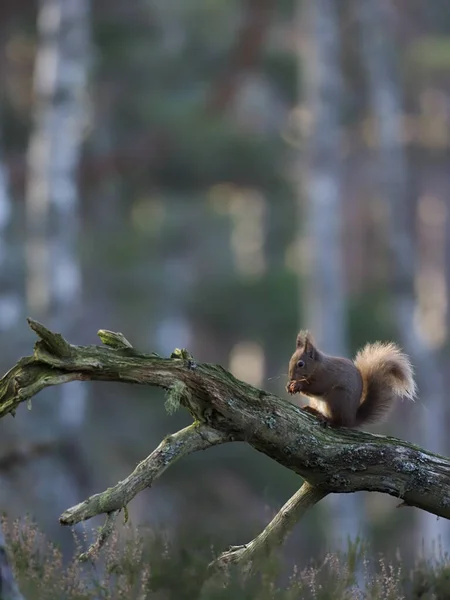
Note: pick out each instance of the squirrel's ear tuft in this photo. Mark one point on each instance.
(305, 341)
(301, 338)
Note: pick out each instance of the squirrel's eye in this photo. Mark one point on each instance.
(301, 364)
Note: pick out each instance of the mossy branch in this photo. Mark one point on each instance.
(270, 538)
(226, 409)
(191, 439)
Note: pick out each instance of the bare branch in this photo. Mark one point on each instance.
(103, 535)
(276, 531)
(184, 442)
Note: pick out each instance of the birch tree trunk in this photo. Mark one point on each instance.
(53, 271)
(10, 303)
(326, 313)
(386, 100)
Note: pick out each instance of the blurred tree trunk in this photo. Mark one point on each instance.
(10, 306)
(54, 287)
(173, 328)
(326, 309)
(386, 99)
(10, 302)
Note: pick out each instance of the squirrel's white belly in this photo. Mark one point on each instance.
(320, 405)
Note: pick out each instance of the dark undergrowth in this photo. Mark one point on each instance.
(144, 565)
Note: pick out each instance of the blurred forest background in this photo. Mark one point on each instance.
(214, 175)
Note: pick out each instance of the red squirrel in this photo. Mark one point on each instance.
(345, 393)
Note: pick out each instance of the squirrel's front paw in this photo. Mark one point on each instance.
(293, 387)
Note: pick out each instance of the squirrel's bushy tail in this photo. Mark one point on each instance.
(387, 374)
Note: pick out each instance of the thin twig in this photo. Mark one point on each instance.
(103, 535)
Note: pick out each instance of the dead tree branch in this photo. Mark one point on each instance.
(276, 531)
(226, 409)
(195, 437)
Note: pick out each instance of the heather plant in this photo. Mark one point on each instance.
(144, 564)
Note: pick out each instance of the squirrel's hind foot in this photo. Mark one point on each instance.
(323, 421)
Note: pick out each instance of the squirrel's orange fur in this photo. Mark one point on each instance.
(386, 371)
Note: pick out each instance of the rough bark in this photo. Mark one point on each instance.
(386, 99)
(224, 410)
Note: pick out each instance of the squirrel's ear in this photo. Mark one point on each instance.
(305, 340)
(310, 349)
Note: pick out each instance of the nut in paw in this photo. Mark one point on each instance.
(294, 387)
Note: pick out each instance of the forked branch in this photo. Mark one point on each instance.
(226, 409)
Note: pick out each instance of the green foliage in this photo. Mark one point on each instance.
(431, 53)
(431, 579)
(277, 289)
(282, 69)
(143, 564)
(370, 318)
(209, 150)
